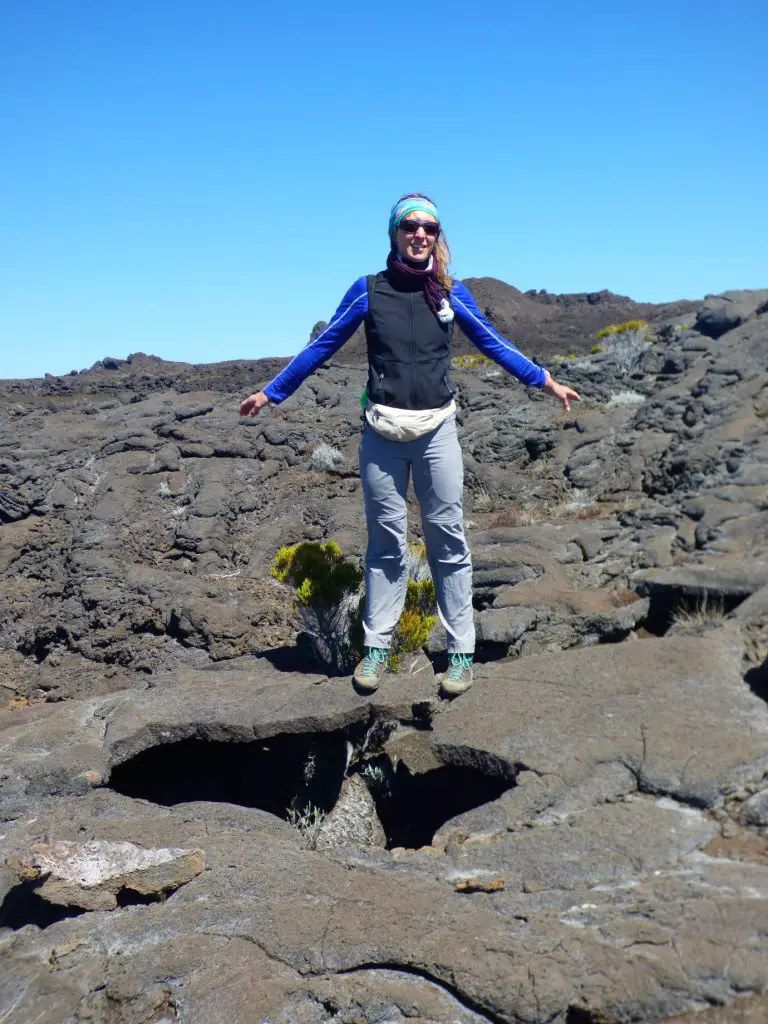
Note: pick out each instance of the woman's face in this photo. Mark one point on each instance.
(415, 245)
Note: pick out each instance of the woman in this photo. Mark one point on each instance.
(410, 427)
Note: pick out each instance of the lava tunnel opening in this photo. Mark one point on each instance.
(757, 680)
(23, 905)
(491, 650)
(575, 1015)
(276, 775)
(669, 604)
(412, 807)
(288, 775)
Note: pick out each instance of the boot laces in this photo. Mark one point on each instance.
(374, 656)
(459, 664)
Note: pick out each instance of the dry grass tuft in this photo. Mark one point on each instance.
(707, 614)
(482, 501)
(516, 517)
(564, 510)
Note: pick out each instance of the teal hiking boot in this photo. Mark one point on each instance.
(369, 671)
(458, 678)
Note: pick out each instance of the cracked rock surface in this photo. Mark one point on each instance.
(614, 898)
(581, 838)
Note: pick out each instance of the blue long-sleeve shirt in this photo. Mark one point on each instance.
(350, 315)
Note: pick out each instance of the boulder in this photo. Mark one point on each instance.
(504, 625)
(754, 811)
(353, 820)
(726, 578)
(721, 313)
(93, 875)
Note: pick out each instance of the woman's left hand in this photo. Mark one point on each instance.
(251, 405)
(560, 391)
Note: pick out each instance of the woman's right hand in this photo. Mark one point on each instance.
(252, 404)
(562, 392)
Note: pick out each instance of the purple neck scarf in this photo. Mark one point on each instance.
(434, 293)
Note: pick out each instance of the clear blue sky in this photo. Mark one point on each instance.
(202, 180)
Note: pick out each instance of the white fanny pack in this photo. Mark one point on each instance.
(406, 424)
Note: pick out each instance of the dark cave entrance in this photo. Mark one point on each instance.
(290, 774)
(412, 807)
(23, 905)
(271, 774)
(669, 603)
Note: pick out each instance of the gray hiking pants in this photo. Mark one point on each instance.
(438, 479)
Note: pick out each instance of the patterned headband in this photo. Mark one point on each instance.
(412, 204)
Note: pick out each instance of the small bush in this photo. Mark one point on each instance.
(416, 622)
(624, 399)
(327, 587)
(468, 362)
(630, 326)
(307, 822)
(416, 561)
(319, 572)
(596, 350)
(326, 459)
(328, 594)
(376, 778)
(627, 348)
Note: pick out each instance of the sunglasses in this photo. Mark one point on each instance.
(410, 227)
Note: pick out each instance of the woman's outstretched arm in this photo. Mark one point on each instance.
(339, 329)
(492, 344)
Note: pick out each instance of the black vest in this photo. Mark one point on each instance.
(409, 350)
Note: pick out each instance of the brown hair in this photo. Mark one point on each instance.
(442, 255)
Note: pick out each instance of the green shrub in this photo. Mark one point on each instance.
(327, 588)
(629, 325)
(416, 622)
(596, 350)
(467, 362)
(319, 573)
(420, 598)
(328, 595)
(417, 550)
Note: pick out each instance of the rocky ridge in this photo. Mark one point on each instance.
(581, 838)
(543, 323)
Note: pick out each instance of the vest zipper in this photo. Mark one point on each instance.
(413, 354)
